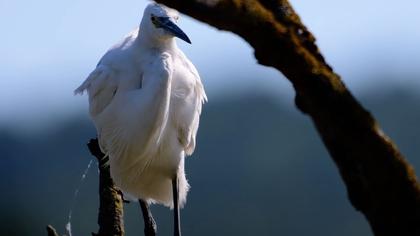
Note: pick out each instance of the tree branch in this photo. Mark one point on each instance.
(110, 216)
(380, 182)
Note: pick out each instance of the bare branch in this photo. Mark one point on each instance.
(380, 182)
(110, 216)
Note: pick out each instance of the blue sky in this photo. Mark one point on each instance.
(49, 47)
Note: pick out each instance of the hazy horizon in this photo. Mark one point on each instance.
(52, 46)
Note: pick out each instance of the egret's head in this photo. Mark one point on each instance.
(159, 22)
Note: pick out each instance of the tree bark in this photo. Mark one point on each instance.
(110, 216)
(380, 183)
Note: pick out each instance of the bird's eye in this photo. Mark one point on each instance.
(153, 18)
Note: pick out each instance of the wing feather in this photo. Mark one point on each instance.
(190, 112)
(101, 86)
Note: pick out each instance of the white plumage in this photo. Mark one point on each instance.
(145, 99)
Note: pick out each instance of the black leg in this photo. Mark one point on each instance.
(150, 227)
(177, 223)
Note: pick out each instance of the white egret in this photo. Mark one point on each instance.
(145, 99)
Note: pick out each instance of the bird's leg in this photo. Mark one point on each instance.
(175, 192)
(150, 227)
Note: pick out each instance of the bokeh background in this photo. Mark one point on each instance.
(259, 168)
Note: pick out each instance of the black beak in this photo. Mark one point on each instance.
(172, 28)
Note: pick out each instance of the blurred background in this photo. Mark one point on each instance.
(259, 168)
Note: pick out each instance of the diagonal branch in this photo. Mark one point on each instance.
(380, 182)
